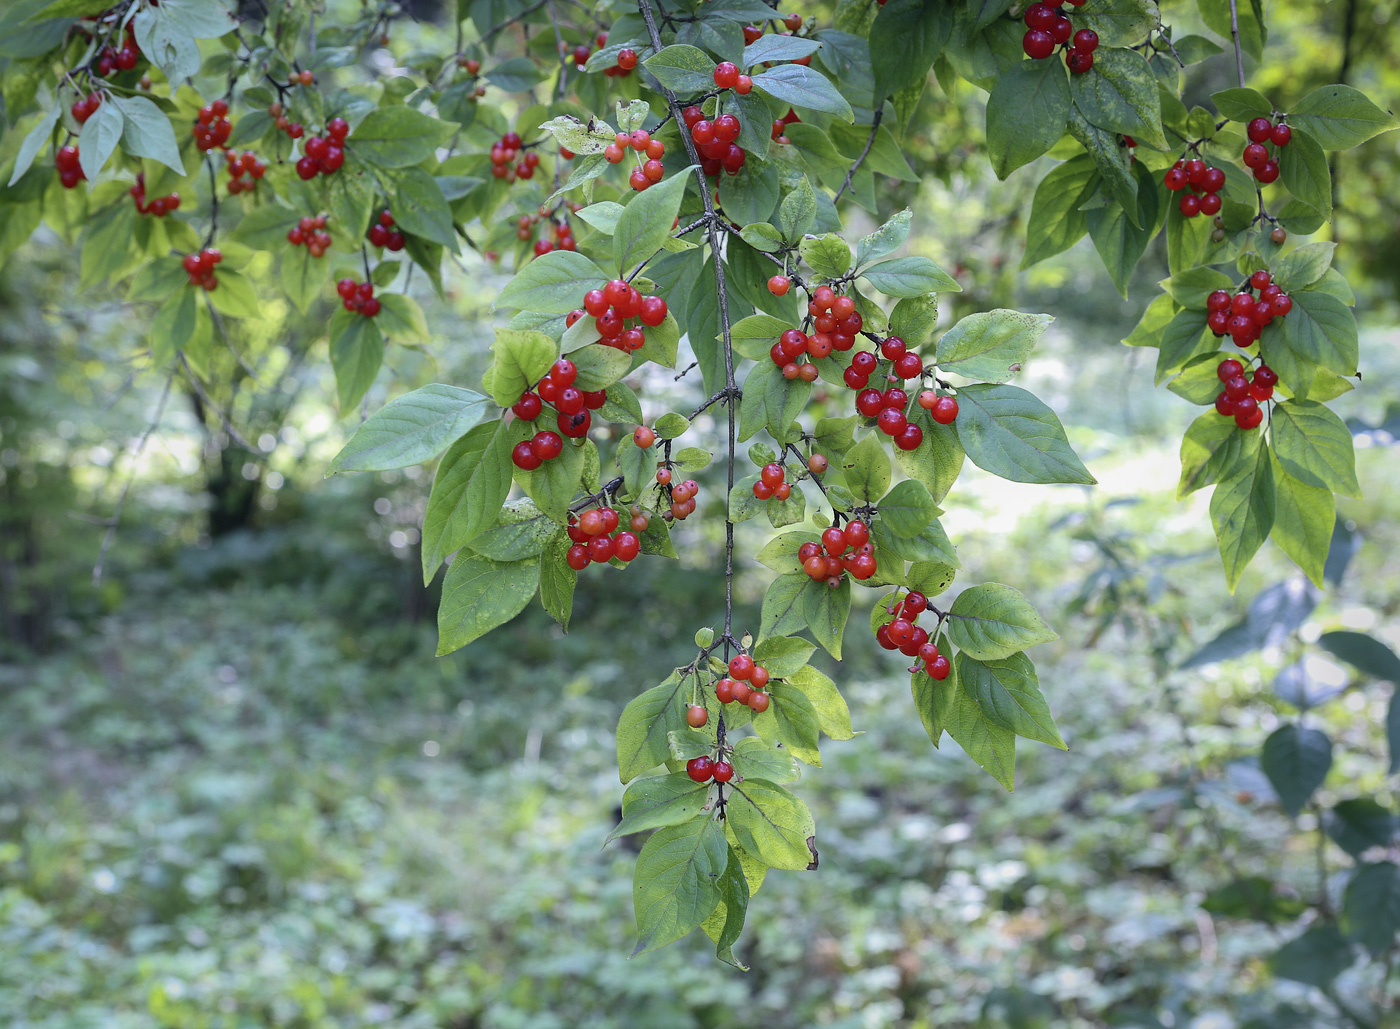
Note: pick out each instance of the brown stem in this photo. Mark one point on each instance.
(1235, 35)
(869, 142)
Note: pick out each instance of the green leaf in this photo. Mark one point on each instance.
(800, 86)
(913, 320)
(929, 544)
(1241, 103)
(1214, 448)
(1242, 511)
(675, 884)
(1120, 93)
(478, 595)
(522, 357)
(1296, 760)
(682, 69)
(1314, 446)
(771, 401)
(554, 484)
(825, 611)
(1363, 652)
(756, 758)
(554, 283)
(357, 352)
(1118, 22)
(1249, 17)
(867, 469)
(734, 906)
(411, 429)
(1007, 431)
(772, 824)
(420, 208)
(1026, 113)
(1111, 160)
(798, 211)
(1371, 906)
(1056, 221)
(1193, 286)
(949, 707)
(991, 344)
(910, 277)
(33, 142)
(470, 488)
(599, 366)
(791, 720)
(833, 717)
(1320, 329)
(1008, 693)
(1304, 172)
(398, 137)
(146, 132)
(1317, 957)
(658, 801)
(905, 39)
(1121, 234)
(1303, 519)
(1254, 897)
(557, 580)
(1339, 117)
(646, 222)
(1304, 266)
(782, 655)
(98, 140)
(828, 255)
(1361, 823)
(591, 137)
(778, 47)
(907, 509)
(993, 621)
(642, 730)
(762, 236)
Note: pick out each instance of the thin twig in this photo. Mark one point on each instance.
(208, 402)
(114, 522)
(870, 142)
(1235, 35)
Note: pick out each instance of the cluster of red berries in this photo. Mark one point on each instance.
(646, 173)
(780, 126)
(160, 206)
(1242, 316)
(746, 684)
(595, 533)
(682, 495)
(902, 633)
(358, 297)
(505, 151)
(70, 172)
(840, 550)
(293, 129)
(239, 165)
(1205, 182)
(114, 59)
(323, 155)
(728, 76)
(574, 407)
(383, 234)
(305, 77)
(85, 107)
(311, 233)
(1047, 27)
(212, 127)
(771, 483)
(561, 235)
(1242, 397)
(200, 267)
(715, 141)
(612, 305)
(1256, 154)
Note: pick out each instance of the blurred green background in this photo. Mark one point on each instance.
(238, 790)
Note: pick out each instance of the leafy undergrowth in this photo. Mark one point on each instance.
(261, 804)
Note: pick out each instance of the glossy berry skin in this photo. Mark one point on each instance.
(1218, 301)
(740, 667)
(1086, 40)
(834, 540)
(778, 285)
(696, 716)
(528, 407)
(1229, 368)
(1038, 43)
(891, 421)
(1260, 130)
(869, 402)
(726, 75)
(939, 668)
(1175, 179)
(759, 702)
(1255, 156)
(945, 410)
(524, 457)
(909, 437)
(1265, 376)
(1281, 135)
(1079, 61)
(723, 771)
(701, 769)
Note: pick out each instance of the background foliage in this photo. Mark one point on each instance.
(363, 834)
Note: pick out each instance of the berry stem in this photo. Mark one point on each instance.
(869, 142)
(213, 203)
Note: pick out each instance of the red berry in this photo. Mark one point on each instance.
(696, 716)
(1078, 61)
(528, 407)
(547, 445)
(778, 285)
(524, 457)
(726, 75)
(653, 311)
(759, 702)
(627, 59)
(856, 534)
(741, 667)
(1265, 376)
(1282, 304)
(1255, 155)
(1086, 40)
(723, 771)
(1260, 130)
(1038, 43)
(701, 769)
(1281, 135)
(1189, 205)
(870, 402)
(945, 410)
(939, 668)
(577, 557)
(1268, 173)
(909, 437)
(1228, 368)
(1175, 178)
(1218, 301)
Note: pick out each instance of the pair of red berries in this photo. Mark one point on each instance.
(728, 76)
(780, 126)
(324, 155)
(85, 107)
(160, 206)
(1047, 27)
(383, 234)
(293, 129)
(1242, 398)
(200, 267)
(904, 364)
(902, 633)
(115, 59)
(562, 234)
(573, 405)
(358, 297)
(772, 483)
(1241, 315)
(311, 233)
(840, 550)
(1256, 156)
(705, 768)
(239, 165)
(715, 141)
(612, 307)
(592, 539)
(1204, 181)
